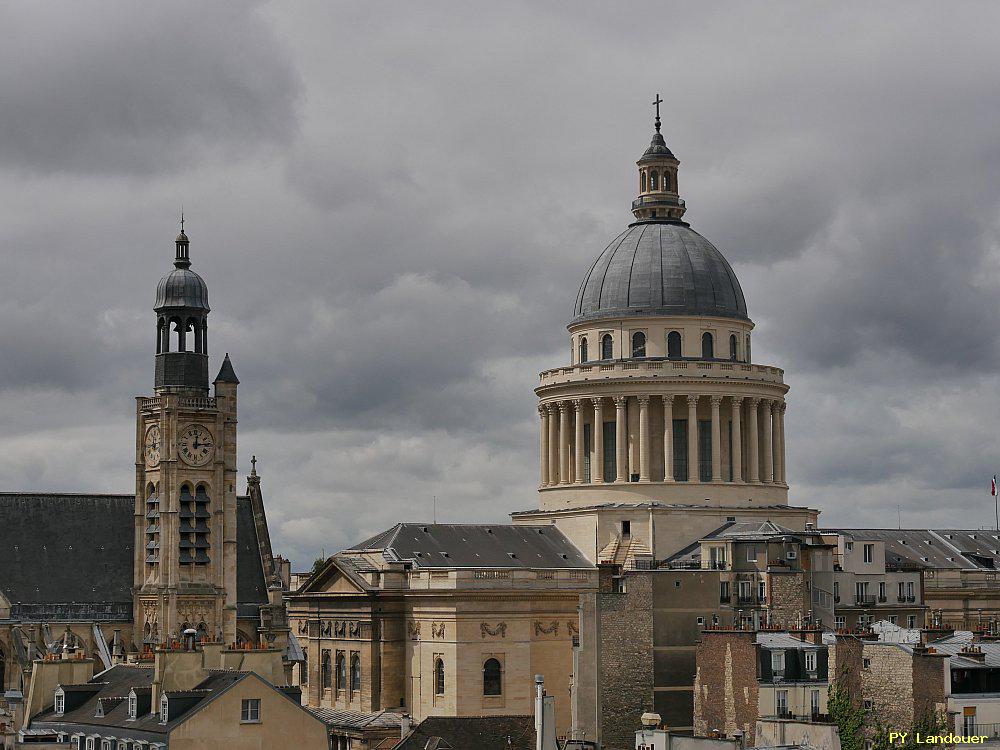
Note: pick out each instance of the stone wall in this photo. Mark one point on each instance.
(929, 699)
(888, 684)
(788, 597)
(725, 693)
(625, 636)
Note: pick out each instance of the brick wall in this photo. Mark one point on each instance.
(928, 685)
(788, 597)
(726, 694)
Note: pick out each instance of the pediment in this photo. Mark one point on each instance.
(333, 579)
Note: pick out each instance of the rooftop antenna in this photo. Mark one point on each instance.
(434, 515)
(899, 517)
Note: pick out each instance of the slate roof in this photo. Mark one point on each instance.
(476, 546)
(92, 537)
(226, 373)
(117, 682)
(744, 531)
(719, 510)
(953, 549)
(474, 733)
(66, 548)
(338, 718)
(660, 268)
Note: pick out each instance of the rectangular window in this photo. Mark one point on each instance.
(250, 711)
(861, 591)
(866, 663)
(836, 589)
(849, 546)
(909, 590)
(681, 450)
(60, 702)
(781, 702)
(626, 528)
(724, 591)
(762, 591)
(745, 590)
(969, 721)
(893, 619)
(777, 662)
(751, 553)
(814, 702)
(610, 452)
(840, 621)
(810, 661)
(902, 591)
(911, 621)
(881, 591)
(705, 450)
(586, 452)
(869, 552)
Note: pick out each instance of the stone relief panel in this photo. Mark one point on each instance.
(498, 631)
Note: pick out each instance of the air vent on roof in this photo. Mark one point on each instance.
(972, 536)
(927, 541)
(902, 541)
(489, 531)
(564, 556)
(950, 559)
(925, 559)
(423, 529)
(950, 536)
(445, 554)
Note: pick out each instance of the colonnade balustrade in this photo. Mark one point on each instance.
(743, 440)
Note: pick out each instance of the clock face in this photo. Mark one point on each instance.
(151, 446)
(196, 445)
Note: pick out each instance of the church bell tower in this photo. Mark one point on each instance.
(185, 504)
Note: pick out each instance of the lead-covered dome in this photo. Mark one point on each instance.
(182, 287)
(660, 268)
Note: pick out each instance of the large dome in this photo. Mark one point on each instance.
(182, 287)
(659, 268)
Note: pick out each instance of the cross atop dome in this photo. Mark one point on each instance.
(656, 103)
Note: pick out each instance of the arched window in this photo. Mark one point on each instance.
(707, 346)
(666, 180)
(439, 677)
(355, 672)
(583, 350)
(733, 355)
(159, 336)
(607, 347)
(327, 671)
(674, 345)
(341, 672)
(638, 344)
(492, 678)
(653, 179)
(642, 182)
(748, 349)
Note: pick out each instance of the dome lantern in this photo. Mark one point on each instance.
(658, 197)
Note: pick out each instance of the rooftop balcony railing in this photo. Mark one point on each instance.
(661, 368)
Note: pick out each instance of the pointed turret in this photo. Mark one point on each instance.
(226, 373)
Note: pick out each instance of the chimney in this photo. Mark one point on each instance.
(176, 668)
(404, 725)
(545, 717)
(47, 675)
(809, 526)
(975, 653)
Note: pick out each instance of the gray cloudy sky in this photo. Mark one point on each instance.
(394, 203)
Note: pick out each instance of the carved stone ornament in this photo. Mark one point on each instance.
(340, 628)
(572, 628)
(413, 630)
(500, 631)
(551, 629)
(437, 630)
(327, 628)
(303, 627)
(355, 628)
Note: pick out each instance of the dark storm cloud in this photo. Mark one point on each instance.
(394, 205)
(140, 88)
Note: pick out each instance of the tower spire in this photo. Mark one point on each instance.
(183, 258)
(658, 198)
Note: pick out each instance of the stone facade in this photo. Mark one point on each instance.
(726, 693)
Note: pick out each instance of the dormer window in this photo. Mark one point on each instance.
(164, 709)
(60, 702)
(133, 706)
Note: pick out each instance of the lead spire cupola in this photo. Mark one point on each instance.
(658, 198)
(182, 309)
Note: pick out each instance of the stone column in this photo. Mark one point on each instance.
(564, 442)
(543, 458)
(621, 440)
(668, 438)
(644, 438)
(765, 435)
(578, 468)
(737, 457)
(753, 442)
(779, 419)
(716, 401)
(597, 434)
(553, 412)
(693, 474)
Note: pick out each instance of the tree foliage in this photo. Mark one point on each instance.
(847, 715)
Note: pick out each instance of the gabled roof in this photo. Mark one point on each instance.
(93, 535)
(335, 717)
(475, 546)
